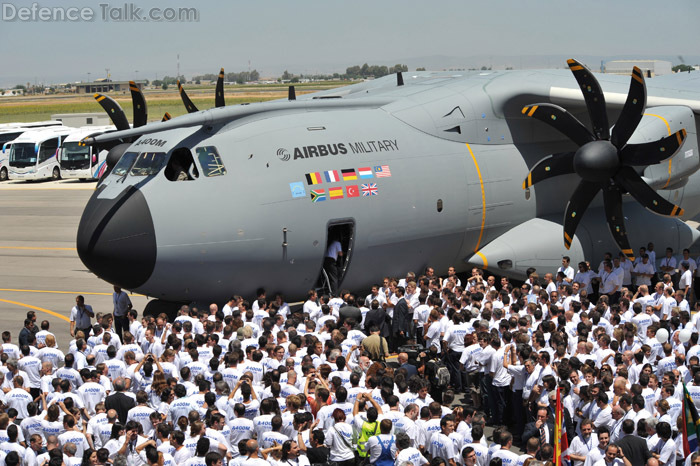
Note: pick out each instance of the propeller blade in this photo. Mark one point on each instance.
(114, 110)
(632, 112)
(593, 95)
(644, 194)
(166, 117)
(579, 202)
(550, 166)
(140, 110)
(616, 220)
(561, 120)
(291, 93)
(650, 153)
(191, 108)
(219, 101)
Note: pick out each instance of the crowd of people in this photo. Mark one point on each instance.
(410, 374)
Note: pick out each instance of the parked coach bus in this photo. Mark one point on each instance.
(79, 161)
(34, 155)
(11, 131)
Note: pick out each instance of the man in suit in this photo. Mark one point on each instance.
(401, 323)
(349, 311)
(635, 448)
(120, 402)
(378, 316)
(410, 368)
(542, 425)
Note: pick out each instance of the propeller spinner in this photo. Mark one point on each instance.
(604, 161)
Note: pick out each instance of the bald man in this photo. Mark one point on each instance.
(410, 368)
(254, 459)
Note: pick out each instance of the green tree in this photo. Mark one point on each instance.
(420, 69)
(165, 86)
(682, 68)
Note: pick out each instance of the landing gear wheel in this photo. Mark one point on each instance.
(56, 175)
(3, 174)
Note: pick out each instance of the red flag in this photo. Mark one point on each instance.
(353, 190)
(561, 441)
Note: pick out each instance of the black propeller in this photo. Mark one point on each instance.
(139, 103)
(118, 117)
(116, 113)
(219, 100)
(114, 110)
(191, 108)
(604, 161)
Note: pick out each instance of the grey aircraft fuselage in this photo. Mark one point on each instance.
(455, 144)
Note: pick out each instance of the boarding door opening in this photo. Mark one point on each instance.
(337, 254)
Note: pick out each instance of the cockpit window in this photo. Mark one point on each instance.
(148, 163)
(125, 162)
(210, 161)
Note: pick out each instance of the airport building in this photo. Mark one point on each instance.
(650, 68)
(105, 86)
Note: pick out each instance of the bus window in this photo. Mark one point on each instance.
(23, 154)
(210, 161)
(74, 156)
(48, 149)
(7, 137)
(148, 163)
(125, 162)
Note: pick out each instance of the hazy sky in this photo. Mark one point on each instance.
(312, 35)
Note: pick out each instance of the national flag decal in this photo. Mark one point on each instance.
(382, 171)
(318, 195)
(369, 189)
(349, 174)
(353, 191)
(313, 178)
(331, 176)
(365, 172)
(335, 193)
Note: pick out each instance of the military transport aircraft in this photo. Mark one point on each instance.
(417, 169)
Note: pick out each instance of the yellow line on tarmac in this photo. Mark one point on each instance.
(37, 248)
(40, 309)
(62, 292)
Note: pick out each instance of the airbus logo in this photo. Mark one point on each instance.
(283, 155)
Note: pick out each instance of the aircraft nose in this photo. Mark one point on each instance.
(116, 239)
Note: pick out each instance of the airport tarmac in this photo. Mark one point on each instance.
(39, 265)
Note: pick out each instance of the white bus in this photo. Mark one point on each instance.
(11, 131)
(79, 161)
(34, 155)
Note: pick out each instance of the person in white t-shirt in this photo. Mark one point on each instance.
(568, 271)
(406, 453)
(685, 283)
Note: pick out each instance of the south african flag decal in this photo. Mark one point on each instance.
(318, 195)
